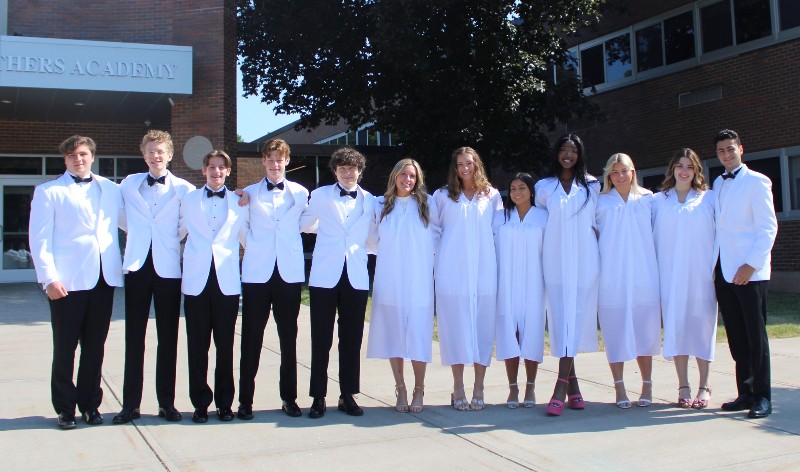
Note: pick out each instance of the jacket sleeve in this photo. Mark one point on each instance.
(40, 239)
(765, 222)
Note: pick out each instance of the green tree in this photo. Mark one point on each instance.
(438, 73)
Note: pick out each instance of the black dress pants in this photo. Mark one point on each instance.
(141, 287)
(351, 304)
(82, 317)
(211, 313)
(744, 313)
(257, 298)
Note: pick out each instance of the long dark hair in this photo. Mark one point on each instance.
(508, 204)
(554, 166)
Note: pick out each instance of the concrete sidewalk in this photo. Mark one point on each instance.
(602, 437)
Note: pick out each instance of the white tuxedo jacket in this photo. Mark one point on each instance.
(145, 230)
(202, 244)
(746, 224)
(63, 243)
(336, 243)
(269, 240)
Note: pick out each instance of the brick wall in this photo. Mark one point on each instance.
(786, 252)
(209, 26)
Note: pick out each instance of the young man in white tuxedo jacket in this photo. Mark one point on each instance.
(746, 227)
(340, 214)
(75, 249)
(273, 272)
(216, 225)
(152, 268)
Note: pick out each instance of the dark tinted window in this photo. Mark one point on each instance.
(592, 70)
(716, 24)
(679, 38)
(648, 48)
(789, 13)
(22, 165)
(54, 166)
(753, 20)
(127, 166)
(652, 182)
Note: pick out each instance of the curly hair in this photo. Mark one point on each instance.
(347, 156)
(160, 137)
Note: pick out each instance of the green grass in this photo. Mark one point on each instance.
(783, 317)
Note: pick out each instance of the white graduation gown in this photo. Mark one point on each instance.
(520, 286)
(466, 277)
(571, 265)
(401, 322)
(684, 239)
(629, 302)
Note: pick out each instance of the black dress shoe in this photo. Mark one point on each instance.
(66, 421)
(92, 417)
(317, 408)
(741, 403)
(169, 413)
(225, 414)
(200, 415)
(761, 408)
(291, 409)
(126, 415)
(348, 404)
(245, 413)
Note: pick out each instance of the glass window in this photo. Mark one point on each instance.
(618, 58)
(679, 37)
(789, 13)
(652, 182)
(361, 138)
(753, 20)
(794, 181)
(372, 138)
(386, 139)
(351, 138)
(54, 166)
(21, 165)
(771, 167)
(130, 165)
(716, 25)
(648, 48)
(592, 66)
(568, 70)
(107, 167)
(16, 216)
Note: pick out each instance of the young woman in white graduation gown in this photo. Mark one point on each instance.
(466, 273)
(629, 302)
(403, 235)
(683, 227)
(571, 264)
(520, 287)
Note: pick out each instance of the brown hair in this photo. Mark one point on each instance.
(454, 181)
(347, 156)
(157, 136)
(71, 143)
(419, 192)
(218, 153)
(699, 181)
(276, 144)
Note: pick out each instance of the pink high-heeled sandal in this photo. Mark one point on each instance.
(556, 407)
(576, 401)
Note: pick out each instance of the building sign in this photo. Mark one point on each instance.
(94, 65)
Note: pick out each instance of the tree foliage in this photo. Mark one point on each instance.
(438, 73)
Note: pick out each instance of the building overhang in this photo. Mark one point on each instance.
(44, 79)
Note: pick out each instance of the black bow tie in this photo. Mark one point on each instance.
(728, 175)
(343, 192)
(271, 186)
(152, 180)
(80, 179)
(210, 193)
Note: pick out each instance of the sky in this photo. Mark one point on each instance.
(255, 119)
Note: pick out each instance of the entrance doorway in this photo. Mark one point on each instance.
(15, 209)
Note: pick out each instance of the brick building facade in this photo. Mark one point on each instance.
(651, 106)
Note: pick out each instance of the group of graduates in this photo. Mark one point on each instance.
(559, 253)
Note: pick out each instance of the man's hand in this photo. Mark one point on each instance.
(742, 276)
(245, 198)
(55, 291)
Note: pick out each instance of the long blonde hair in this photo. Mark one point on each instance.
(624, 159)
(419, 191)
(454, 187)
